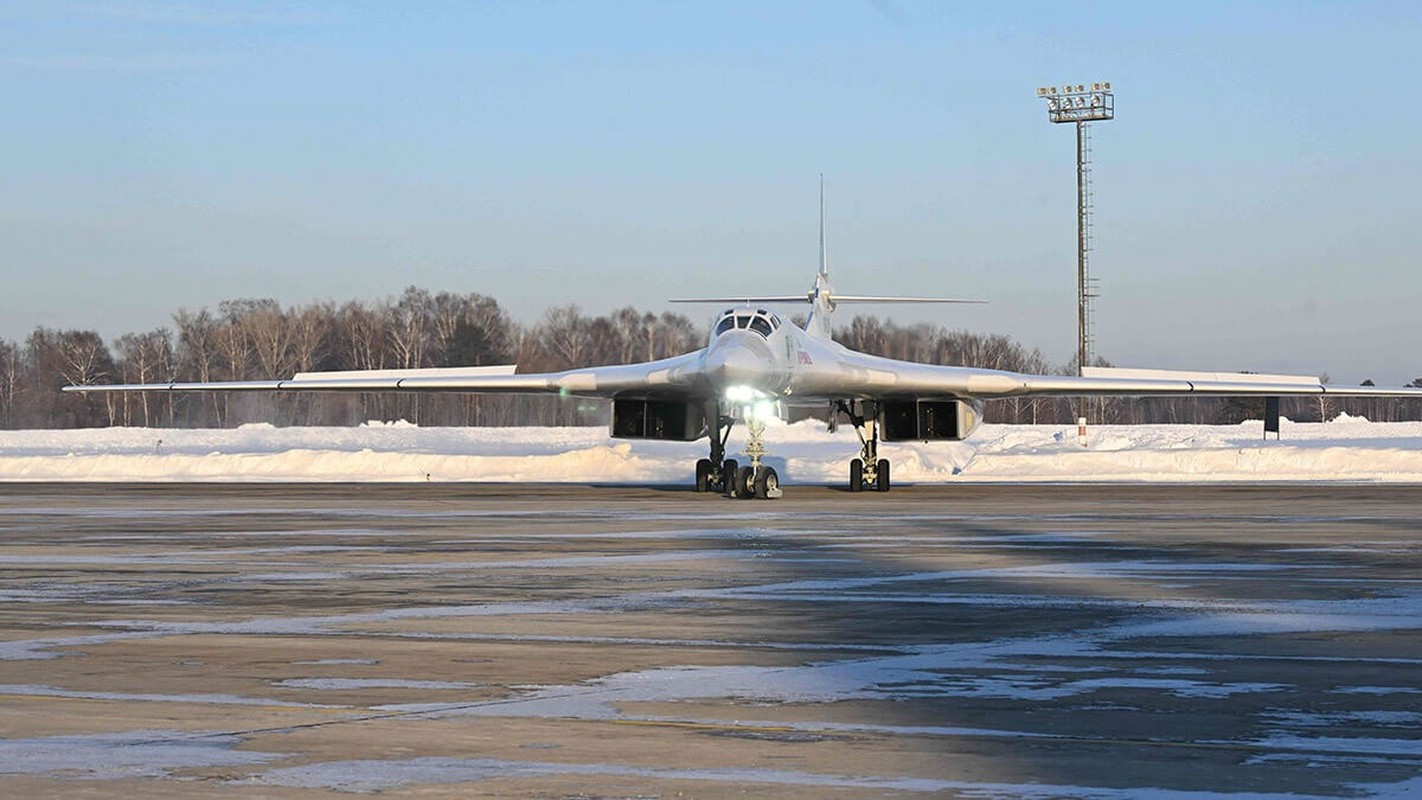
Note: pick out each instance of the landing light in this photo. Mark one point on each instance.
(765, 410)
(741, 394)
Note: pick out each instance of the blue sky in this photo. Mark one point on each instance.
(1256, 202)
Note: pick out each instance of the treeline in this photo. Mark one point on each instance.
(260, 340)
(934, 345)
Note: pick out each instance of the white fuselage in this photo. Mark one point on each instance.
(773, 361)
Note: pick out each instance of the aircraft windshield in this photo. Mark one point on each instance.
(760, 321)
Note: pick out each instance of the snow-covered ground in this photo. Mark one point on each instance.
(1346, 449)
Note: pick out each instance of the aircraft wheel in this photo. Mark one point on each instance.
(882, 481)
(703, 475)
(766, 483)
(730, 470)
(856, 475)
(745, 483)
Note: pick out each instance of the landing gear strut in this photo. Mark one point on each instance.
(726, 475)
(718, 473)
(757, 480)
(868, 471)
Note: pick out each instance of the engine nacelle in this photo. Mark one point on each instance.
(676, 421)
(928, 420)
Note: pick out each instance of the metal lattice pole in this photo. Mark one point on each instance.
(1081, 105)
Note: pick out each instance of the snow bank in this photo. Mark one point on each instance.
(1347, 449)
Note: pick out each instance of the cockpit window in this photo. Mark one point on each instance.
(761, 321)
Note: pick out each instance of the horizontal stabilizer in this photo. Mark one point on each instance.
(784, 298)
(834, 298)
(869, 298)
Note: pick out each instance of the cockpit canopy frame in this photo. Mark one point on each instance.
(759, 321)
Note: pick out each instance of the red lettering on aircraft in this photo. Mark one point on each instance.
(805, 357)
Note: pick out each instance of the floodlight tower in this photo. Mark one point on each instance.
(1082, 105)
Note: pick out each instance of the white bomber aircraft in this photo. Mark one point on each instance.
(756, 364)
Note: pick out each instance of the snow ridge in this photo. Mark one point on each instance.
(1347, 449)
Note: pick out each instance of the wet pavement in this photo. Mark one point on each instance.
(1098, 641)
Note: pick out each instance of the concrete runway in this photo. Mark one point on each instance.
(1098, 641)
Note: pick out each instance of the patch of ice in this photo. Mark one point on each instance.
(35, 690)
(335, 684)
(1326, 719)
(1341, 744)
(324, 661)
(1376, 690)
(372, 776)
(1179, 688)
(36, 649)
(129, 754)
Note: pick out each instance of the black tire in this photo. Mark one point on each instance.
(766, 481)
(856, 476)
(745, 483)
(882, 480)
(703, 475)
(730, 470)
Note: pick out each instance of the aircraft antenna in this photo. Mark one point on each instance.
(824, 247)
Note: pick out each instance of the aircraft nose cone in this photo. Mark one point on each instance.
(733, 366)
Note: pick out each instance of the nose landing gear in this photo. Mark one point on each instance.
(726, 475)
(757, 480)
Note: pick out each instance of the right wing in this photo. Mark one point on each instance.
(809, 297)
(863, 376)
(677, 376)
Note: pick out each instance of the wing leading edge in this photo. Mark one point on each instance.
(872, 377)
(680, 375)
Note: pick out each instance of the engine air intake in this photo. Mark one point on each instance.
(927, 420)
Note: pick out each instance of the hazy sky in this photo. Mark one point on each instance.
(1257, 198)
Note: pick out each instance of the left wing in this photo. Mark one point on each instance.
(678, 376)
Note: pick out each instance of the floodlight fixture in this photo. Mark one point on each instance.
(1078, 102)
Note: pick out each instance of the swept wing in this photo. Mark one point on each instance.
(862, 376)
(677, 376)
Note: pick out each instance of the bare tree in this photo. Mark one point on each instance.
(71, 357)
(10, 378)
(565, 338)
(361, 332)
(197, 358)
(675, 335)
(409, 326)
(1325, 404)
(270, 331)
(145, 358)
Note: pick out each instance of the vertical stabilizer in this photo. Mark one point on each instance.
(817, 324)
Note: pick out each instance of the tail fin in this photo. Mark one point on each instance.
(817, 322)
(821, 296)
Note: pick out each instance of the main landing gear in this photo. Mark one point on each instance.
(868, 471)
(726, 475)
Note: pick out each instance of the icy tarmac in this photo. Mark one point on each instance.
(1089, 641)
